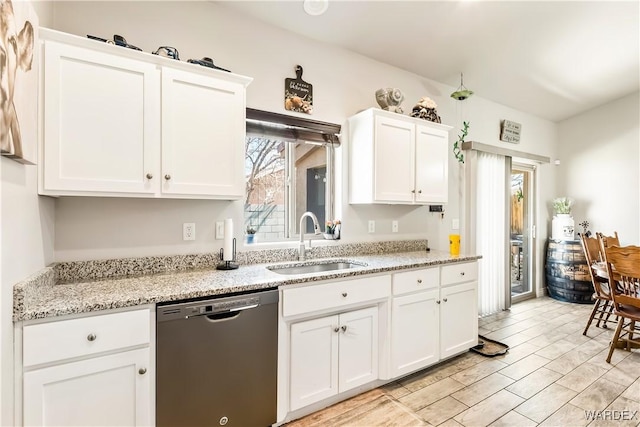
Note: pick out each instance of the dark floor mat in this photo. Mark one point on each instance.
(489, 348)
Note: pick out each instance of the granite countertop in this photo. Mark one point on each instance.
(43, 296)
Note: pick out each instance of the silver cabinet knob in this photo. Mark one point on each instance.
(344, 294)
(420, 191)
(336, 329)
(462, 273)
(413, 191)
(91, 337)
(419, 280)
(142, 371)
(438, 301)
(167, 177)
(149, 176)
(444, 299)
(344, 328)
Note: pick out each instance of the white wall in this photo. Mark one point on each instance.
(599, 156)
(344, 83)
(26, 246)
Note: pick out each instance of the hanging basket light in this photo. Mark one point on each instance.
(462, 92)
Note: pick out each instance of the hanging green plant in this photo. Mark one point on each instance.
(457, 146)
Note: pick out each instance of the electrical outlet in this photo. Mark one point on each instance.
(394, 226)
(455, 224)
(189, 231)
(372, 226)
(219, 230)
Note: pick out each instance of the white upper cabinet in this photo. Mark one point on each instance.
(397, 159)
(101, 122)
(203, 131)
(118, 122)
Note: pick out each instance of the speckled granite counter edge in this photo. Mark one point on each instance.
(22, 290)
(74, 271)
(42, 298)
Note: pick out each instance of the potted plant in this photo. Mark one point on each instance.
(332, 229)
(251, 234)
(562, 224)
(562, 205)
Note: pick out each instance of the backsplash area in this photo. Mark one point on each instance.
(100, 269)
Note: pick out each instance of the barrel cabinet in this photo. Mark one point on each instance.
(567, 272)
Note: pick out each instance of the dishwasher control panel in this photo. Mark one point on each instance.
(223, 305)
(214, 306)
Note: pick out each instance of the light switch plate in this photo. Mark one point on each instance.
(372, 226)
(219, 230)
(455, 224)
(394, 226)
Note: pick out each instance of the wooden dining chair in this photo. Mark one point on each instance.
(602, 300)
(624, 262)
(605, 241)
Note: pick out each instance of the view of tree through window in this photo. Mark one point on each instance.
(283, 180)
(265, 201)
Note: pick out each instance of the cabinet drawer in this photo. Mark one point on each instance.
(49, 342)
(416, 280)
(459, 273)
(334, 295)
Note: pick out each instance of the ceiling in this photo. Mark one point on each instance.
(553, 59)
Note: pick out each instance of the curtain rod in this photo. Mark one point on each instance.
(478, 146)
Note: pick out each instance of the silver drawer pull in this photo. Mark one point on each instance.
(438, 301)
(462, 273)
(149, 176)
(344, 328)
(336, 329)
(167, 177)
(142, 371)
(91, 337)
(344, 294)
(419, 280)
(444, 299)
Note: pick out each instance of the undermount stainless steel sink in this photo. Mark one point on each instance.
(315, 268)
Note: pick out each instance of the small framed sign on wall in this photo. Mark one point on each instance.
(298, 94)
(510, 131)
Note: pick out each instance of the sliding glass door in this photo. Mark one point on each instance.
(521, 232)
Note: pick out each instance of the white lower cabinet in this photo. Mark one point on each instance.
(458, 319)
(333, 354)
(106, 391)
(434, 315)
(89, 371)
(415, 328)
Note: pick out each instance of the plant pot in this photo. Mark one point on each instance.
(251, 238)
(562, 227)
(328, 236)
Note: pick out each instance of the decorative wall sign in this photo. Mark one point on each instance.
(510, 131)
(19, 81)
(298, 94)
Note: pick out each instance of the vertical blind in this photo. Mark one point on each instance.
(491, 231)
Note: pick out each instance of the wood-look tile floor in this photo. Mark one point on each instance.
(551, 376)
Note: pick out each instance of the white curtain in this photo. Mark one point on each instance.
(491, 231)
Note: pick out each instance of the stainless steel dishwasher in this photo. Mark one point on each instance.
(216, 361)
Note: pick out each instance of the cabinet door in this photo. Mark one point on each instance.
(432, 165)
(101, 122)
(203, 131)
(394, 160)
(458, 318)
(104, 391)
(358, 359)
(314, 360)
(414, 332)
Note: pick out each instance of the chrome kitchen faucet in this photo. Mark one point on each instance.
(302, 255)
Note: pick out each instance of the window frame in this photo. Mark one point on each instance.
(295, 130)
